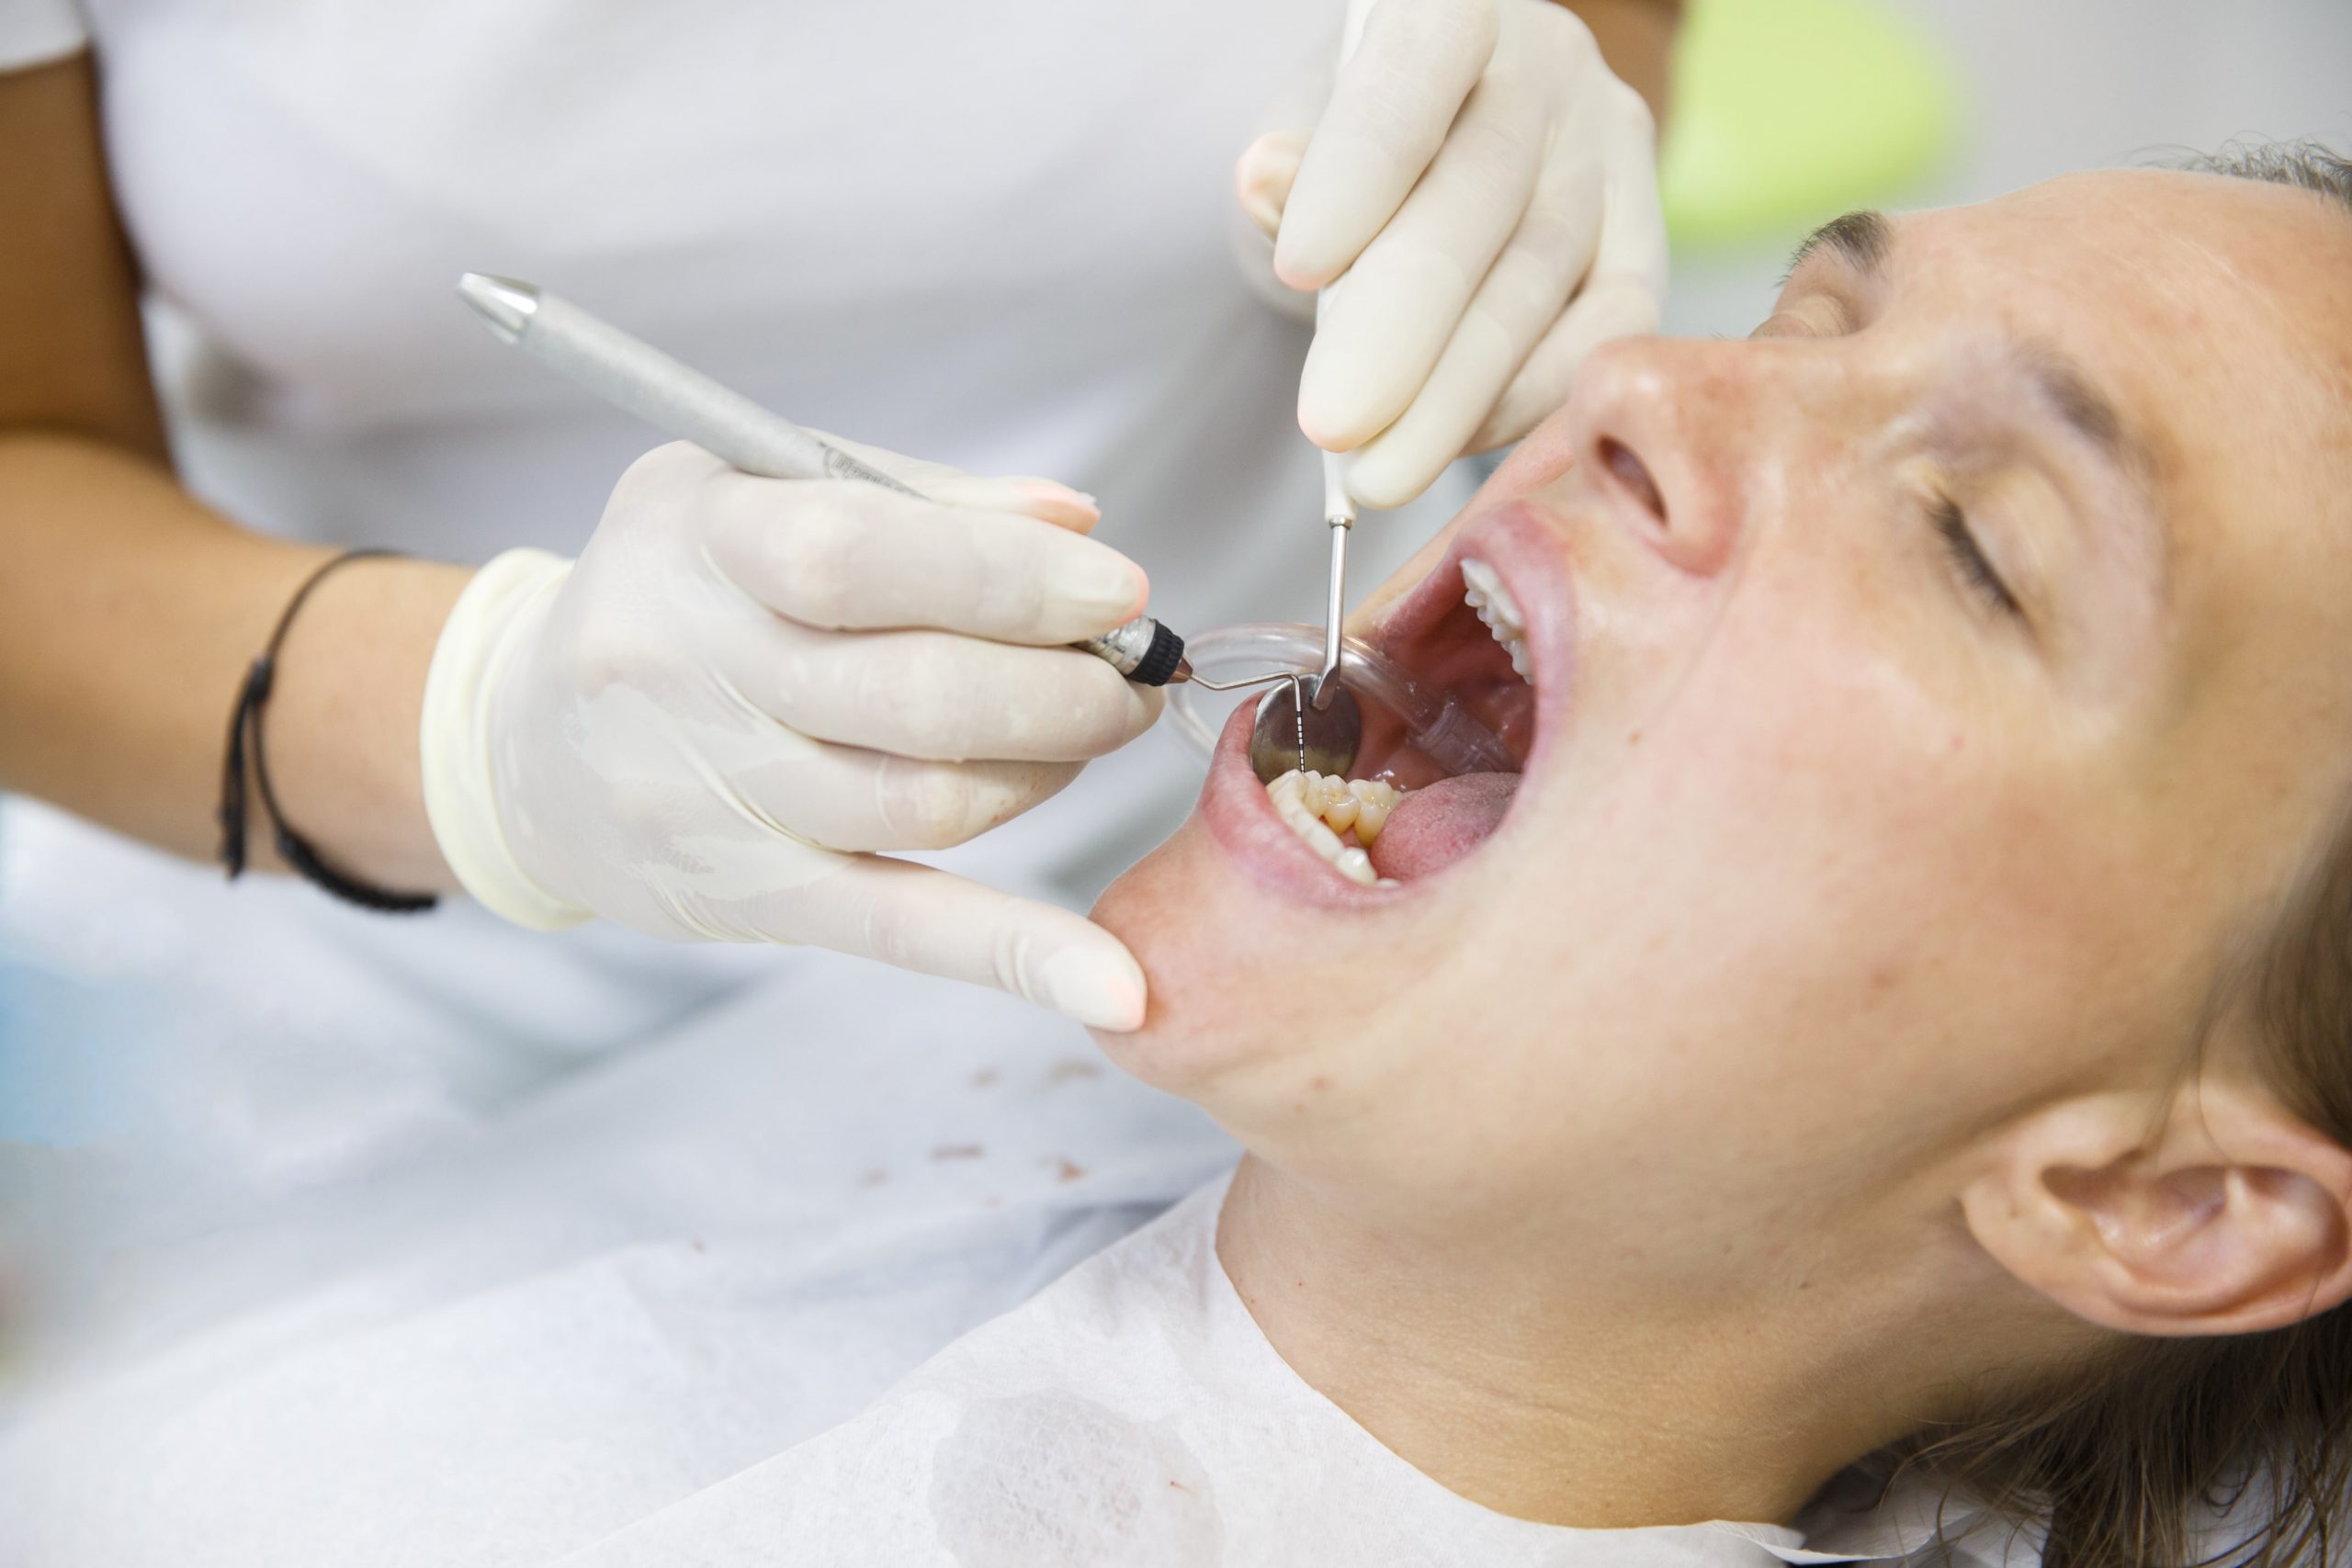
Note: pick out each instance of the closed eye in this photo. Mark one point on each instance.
(1967, 558)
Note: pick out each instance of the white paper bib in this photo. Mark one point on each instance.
(1133, 1413)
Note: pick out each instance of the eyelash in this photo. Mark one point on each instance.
(1967, 558)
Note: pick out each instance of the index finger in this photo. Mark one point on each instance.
(1394, 101)
(845, 557)
(1032, 495)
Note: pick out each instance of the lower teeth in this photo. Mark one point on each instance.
(1320, 807)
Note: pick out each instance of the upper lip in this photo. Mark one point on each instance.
(1526, 551)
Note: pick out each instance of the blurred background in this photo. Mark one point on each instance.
(1792, 111)
(1789, 112)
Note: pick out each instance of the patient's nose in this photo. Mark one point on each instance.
(1659, 428)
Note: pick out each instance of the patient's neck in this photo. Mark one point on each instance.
(1569, 1404)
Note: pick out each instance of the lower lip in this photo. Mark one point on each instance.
(1241, 818)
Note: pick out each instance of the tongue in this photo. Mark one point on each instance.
(1438, 824)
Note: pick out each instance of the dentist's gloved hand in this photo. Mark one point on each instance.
(1484, 191)
(698, 727)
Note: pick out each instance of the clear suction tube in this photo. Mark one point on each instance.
(1439, 726)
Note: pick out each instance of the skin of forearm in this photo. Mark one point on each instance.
(1637, 37)
(129, 612)
(128, 617)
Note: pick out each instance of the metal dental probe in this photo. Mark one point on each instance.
(1335, 728)
(636, 377)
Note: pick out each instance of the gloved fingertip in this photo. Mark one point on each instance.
(1385, 481)
(1022, 494)
(1149, 703)
(1101, 989)
(1060, 505)
(1322, 420)
(1329, 217)
(1510, 419)
(1306, 274)
(1102, 588)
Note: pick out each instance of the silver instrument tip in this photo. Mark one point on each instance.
(506, 303)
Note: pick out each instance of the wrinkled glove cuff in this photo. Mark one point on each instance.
(461, 792)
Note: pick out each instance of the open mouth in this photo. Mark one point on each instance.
(1483, 642)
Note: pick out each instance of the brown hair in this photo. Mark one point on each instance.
(2169, 1452)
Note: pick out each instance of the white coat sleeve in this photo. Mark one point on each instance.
(34, 32)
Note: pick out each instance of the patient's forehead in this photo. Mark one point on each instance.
(2220, 299)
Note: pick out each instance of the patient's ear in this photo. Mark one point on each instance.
(2224, 1212)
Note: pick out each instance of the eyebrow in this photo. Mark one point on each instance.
(1865, 242)
(2086, 410)
(1864, 239)
(2060, 383)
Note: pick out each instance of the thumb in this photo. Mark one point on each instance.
(1024, 495)
(914, 916)
(1263, 177)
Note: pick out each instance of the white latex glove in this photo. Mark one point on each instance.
(1480, 200)
(742, 683)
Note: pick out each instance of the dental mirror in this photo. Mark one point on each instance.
(1291, 732)
(1235, 659)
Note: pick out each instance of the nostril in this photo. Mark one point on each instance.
(1634, 474)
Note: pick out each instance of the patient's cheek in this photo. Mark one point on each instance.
(1118, 909)
(1189, 983)
(1141, 908)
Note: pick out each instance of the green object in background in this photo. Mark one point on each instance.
(1789, 112)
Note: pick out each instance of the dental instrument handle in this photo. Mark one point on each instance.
(633, 374)
(1334, 603)
(1339, 507)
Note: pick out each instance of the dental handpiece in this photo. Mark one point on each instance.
(635, 376)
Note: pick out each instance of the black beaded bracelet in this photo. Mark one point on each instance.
(245, 734)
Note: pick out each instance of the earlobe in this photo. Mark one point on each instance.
(2221, 1214)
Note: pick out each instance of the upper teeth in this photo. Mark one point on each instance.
(1321, 806)
(1483, 589)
